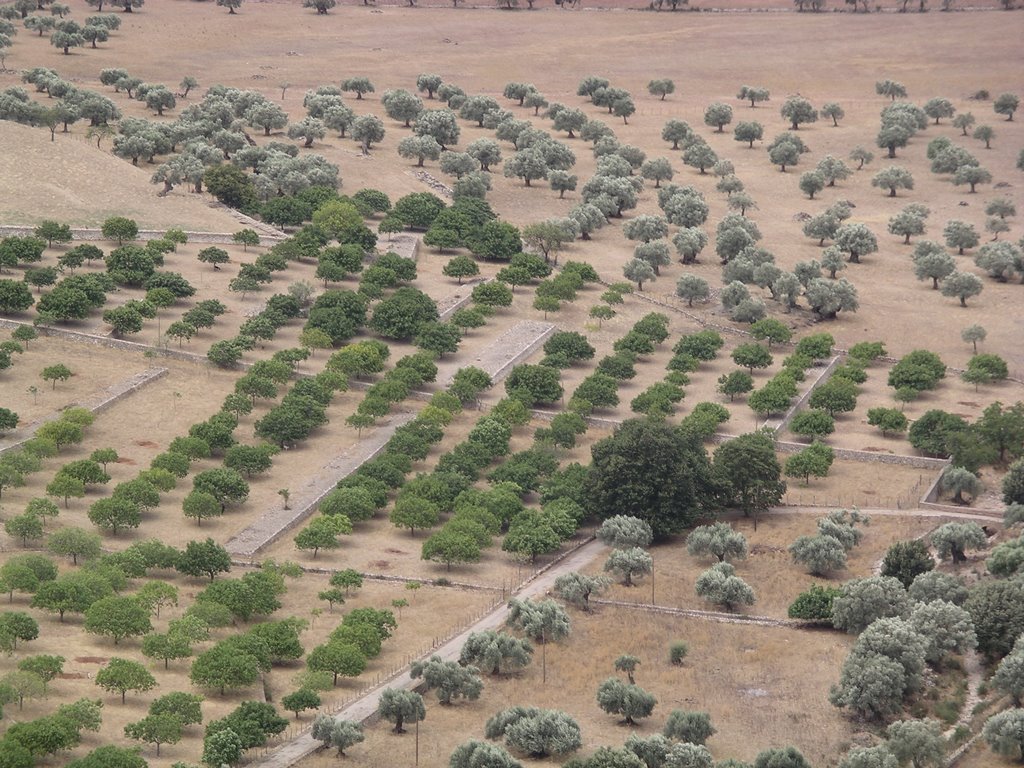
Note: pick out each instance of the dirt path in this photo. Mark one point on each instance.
(975, 677)
(986, 516)
(365, 707)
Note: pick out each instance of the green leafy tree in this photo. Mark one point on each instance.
(301, 700)
(815, 604)
(166, 646)
(753, 471)
(322, 533)
(751, 356)
(338, 658)
(115, 514)
(906, 560)
(118, 618)
(451, 546)
(414, 512)
(156, 729)
(677, 486)
(123, 675)
(224, 667)
(203, 558)
(120, 228)
(225, 485)
(55, 373)
(199, 504)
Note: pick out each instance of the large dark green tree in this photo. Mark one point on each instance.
(652, 471)
(749, 465)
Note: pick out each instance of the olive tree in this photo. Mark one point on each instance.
(400, 707)
(629, 563)
(624, 532)
(719, 540)
(865, 600)
(918, 742)
(627, 699)
(952, 540)
(449, 679)
(720, 585)
(1004, 733)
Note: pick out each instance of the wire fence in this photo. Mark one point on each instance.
(908, 499)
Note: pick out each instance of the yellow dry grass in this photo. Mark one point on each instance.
(824, 57)
(73, 180)
(769, 568)
(755, 682)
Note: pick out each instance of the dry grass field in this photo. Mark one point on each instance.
(763, 686)
(776, 579)
(749, 679)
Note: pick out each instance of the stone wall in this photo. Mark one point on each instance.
(104, 400)
(106, 341)
(824, 376)
(870, 457)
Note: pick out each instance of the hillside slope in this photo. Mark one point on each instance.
(72, 181)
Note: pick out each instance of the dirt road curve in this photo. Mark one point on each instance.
(296, 749)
